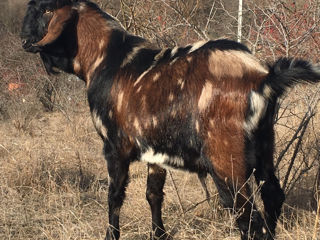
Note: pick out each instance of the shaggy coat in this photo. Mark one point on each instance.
(205, 108)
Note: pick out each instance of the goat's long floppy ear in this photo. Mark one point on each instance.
(56, 26)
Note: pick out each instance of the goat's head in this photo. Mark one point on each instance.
(44, 22)
(61, 31)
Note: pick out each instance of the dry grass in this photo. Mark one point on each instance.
(53, 178)
(53, 185)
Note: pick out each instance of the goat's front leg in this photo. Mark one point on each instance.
(118, 168)
(154, 194)
(202, 178)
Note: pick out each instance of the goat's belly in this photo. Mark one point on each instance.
(165, 160)
(162, 159)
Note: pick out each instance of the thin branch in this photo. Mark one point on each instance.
(302, 124)
(297, 147)
(200, 34)
(178, 195)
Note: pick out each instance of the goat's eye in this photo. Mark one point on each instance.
(47, 12)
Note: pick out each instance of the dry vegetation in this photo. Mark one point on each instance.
(53, 178)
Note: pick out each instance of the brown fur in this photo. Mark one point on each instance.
(198, 108)
(160, 87)
(56, 25)
(219, 105)
(91, 51)
(220, 123)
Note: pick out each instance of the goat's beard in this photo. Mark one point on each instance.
(48, 64)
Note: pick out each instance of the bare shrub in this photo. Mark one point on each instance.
(25, 87)
(11, 14)
(52, 175)
(271, 29)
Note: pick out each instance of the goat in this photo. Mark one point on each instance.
(205, 108)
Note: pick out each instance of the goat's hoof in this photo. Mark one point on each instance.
(112, 235)
(163, 236)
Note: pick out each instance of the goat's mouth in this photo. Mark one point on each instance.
(30, 46)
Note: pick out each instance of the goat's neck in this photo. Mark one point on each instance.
(102, 41)
(92, 41)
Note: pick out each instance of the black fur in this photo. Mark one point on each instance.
(283, 74)
(286, 72)
(225, 44)
(173, 136)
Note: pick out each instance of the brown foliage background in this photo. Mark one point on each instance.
(53, 178)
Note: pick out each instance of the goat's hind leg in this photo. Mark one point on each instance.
(202, 178)
(118, 168)
(235, 194)
(271, 193)
(154, 194)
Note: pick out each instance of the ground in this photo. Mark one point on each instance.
(53, 185)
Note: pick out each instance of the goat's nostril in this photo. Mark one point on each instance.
(24, 42)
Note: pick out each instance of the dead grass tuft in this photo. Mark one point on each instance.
(53, 178)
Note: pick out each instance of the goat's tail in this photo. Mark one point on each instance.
(285, 73)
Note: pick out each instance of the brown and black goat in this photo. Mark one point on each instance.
(205, 108)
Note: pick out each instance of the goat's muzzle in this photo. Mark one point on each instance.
(29, 46)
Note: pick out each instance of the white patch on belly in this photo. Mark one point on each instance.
(161, 158)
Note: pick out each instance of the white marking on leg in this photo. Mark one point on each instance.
(151, 171)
